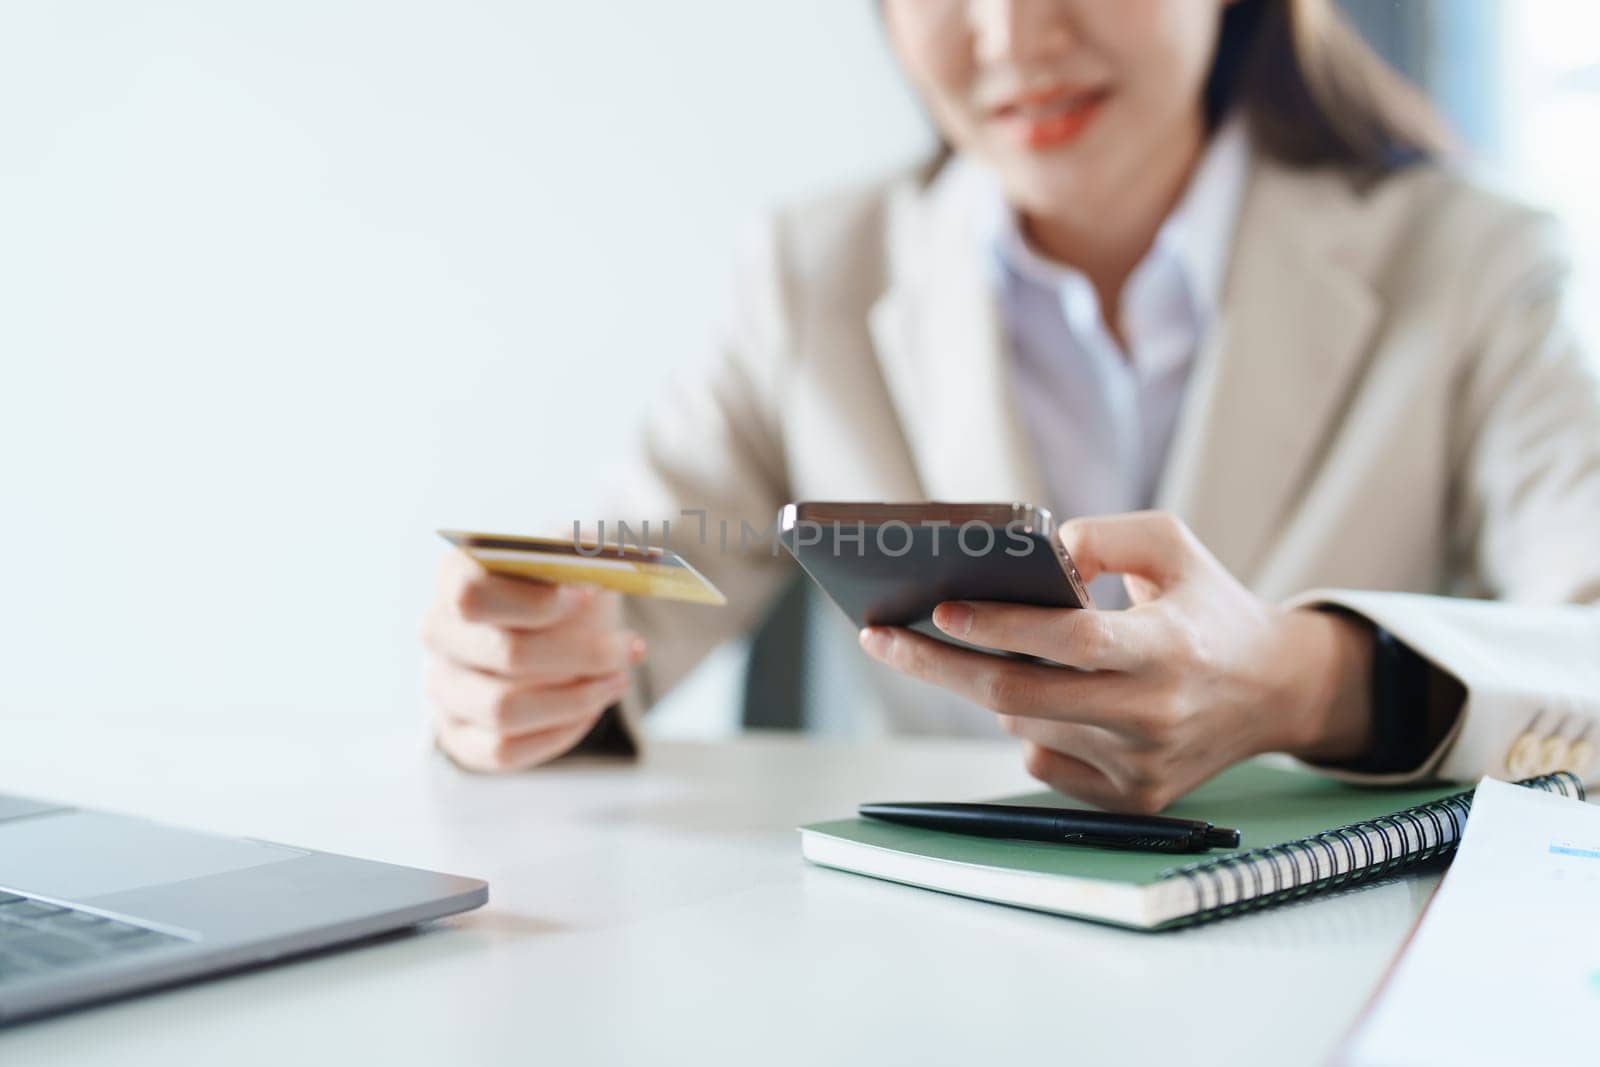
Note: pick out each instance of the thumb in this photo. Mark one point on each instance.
(1151, 545)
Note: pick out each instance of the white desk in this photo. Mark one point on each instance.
(637, 911)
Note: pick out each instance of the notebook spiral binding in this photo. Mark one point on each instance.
(1347, 855)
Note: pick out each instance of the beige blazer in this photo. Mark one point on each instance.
(1389, 414)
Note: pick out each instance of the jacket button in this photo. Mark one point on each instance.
(1581, 758)
(1555, 755)
(1525, 755)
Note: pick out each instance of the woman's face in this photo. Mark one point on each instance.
(1072, 102)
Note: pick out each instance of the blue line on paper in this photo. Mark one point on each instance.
(1568, 850)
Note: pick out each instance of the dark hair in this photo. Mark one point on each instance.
(1314, 93)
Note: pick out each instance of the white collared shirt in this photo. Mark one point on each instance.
(1101, 419)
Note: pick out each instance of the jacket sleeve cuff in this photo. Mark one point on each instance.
(1432, 765)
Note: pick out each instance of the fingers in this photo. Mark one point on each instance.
(1132, 776)
(523, 669)
(472, 593)
(1153, 545)
(1094, 640)
(1070, 775)
(509, 707)
(1076, 778)
(519, 602)
(478, 749)
(1000, 684)
(548, 655)
(1100, 749)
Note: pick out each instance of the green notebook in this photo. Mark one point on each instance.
(1301, 834)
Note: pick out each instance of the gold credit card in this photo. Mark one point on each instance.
(656, 572)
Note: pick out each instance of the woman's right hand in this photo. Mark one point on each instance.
(521, 670)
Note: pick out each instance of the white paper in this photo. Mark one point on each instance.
(1505, 967)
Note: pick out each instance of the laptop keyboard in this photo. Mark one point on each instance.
(37, 939)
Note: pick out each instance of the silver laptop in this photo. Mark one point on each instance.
(95, 905)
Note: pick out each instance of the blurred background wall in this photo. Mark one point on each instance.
(284, 286)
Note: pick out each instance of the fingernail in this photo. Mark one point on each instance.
(953, 617)
(875, 641)
(636, 649)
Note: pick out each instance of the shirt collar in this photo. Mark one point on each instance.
(1197, 235)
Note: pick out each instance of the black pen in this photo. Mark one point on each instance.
(1062, 826)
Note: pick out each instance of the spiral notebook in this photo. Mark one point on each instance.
(1302, 834)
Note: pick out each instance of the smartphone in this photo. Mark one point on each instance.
(891, 564)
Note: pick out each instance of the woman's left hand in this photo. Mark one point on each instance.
(1198, 674)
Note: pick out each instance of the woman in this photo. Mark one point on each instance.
(1198, 257)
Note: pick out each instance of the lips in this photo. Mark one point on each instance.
(1049, 117)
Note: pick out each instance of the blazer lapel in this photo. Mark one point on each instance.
(1275, 373)
(1267, 389)
(942, 346)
